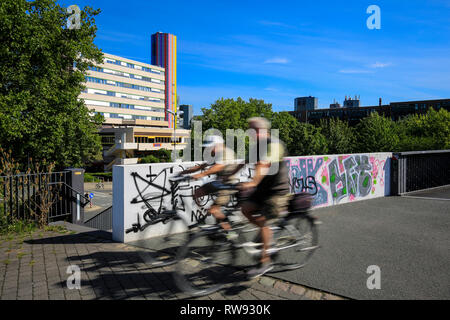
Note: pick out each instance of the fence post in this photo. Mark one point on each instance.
(394, 174)
(76, 182)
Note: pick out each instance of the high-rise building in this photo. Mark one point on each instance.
(134, 98)
(305, 103)
(187, 115)
(164, 54)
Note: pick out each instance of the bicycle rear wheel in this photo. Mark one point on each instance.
(204, 263)
(295, 243)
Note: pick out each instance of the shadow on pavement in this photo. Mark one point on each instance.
(124, 275)
(97, 236)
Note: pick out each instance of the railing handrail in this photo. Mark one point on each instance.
(33, 174)
(101, 212)
(407, 153)
(76, 191)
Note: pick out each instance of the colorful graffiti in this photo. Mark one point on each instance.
(335, 179)
(142, 191)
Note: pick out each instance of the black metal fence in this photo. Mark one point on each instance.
(102, 220)
(27, 196)
(418, 170)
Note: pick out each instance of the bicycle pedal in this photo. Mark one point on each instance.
(251, 244)
(273, 251)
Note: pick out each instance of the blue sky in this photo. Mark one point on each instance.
(279, 50)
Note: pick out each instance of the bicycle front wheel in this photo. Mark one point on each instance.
(295, 243)
(204, 263)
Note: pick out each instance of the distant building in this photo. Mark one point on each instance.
(187, 116)
(305, 103)
(335, 105)
(394, 111)
(351, 103)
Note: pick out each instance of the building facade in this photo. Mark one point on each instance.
(126, 92)
(305, 103)
(133, 98)
(394, 110)
(351, 103)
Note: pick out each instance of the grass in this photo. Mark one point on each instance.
(17, 227)
(19, 230)
(21, 254)
(90, 178)
(59, 229)
(95, 176)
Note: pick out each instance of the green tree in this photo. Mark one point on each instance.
(339, 135)
(40, 115)
(430, 131)
(308, 141)
(376, 134)
(288, 128)
(161, 155)
(233, 114)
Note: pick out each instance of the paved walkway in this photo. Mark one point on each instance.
(408, 239)
(34, 267)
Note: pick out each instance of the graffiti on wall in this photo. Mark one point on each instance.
(155, 194)
(332, 179)
(335, 179)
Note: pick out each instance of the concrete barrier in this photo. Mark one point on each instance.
(333, 179)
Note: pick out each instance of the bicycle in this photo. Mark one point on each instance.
(208, 259)
(100, 185)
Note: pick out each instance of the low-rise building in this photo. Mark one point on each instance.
(394, 110)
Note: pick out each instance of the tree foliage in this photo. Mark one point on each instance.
(430, 131)
(376, 134)
(233, 114)
(339, 135)
(299, 138)
(40, 115)
(161, 155)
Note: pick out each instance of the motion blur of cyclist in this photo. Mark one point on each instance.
(225, 167)
(268, 190)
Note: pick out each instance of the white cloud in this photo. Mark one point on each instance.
(277, 60)
(380, 65)
(352, 71)
(276, 24)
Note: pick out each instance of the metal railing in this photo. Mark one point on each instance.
(24, 196)
(102, 220)
(419, 170)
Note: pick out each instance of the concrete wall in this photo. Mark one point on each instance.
(333, 179)
(132, 189)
